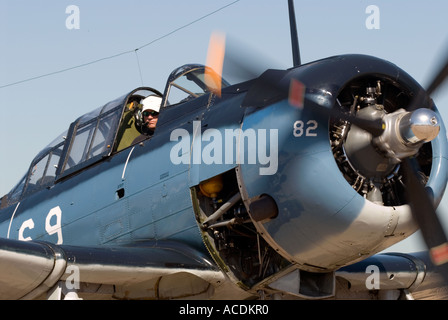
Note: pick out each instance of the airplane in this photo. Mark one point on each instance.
(288, 185)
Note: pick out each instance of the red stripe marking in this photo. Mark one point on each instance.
(439, 254)
(296, 93)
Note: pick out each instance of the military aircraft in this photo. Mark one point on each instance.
(284, 186)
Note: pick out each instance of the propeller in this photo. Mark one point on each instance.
(418, 198)
(424, 213)
(215, 62)
(420, 202)
(439, 78)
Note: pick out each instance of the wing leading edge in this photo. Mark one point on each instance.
(392, 276)
(159, 270)
(171, 270)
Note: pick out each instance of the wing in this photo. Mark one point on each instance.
(392, 276)
(157, 270)
(170, 270)
(434, 286)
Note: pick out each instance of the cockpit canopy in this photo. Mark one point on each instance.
(105, 131)
(189, 82)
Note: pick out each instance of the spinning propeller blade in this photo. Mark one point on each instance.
(439, 78)
(215, 62)
(420, 202)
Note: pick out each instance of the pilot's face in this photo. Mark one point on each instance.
(150, 117)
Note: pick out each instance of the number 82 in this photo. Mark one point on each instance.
(309, 128)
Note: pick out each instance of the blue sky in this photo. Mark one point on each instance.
(36, 41)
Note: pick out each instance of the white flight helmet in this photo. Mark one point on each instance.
(151, 103)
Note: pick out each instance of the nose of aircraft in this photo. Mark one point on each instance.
(330, 214)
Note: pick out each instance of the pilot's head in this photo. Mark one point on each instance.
(150, 111)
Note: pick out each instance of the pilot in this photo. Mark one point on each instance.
(150, 114)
